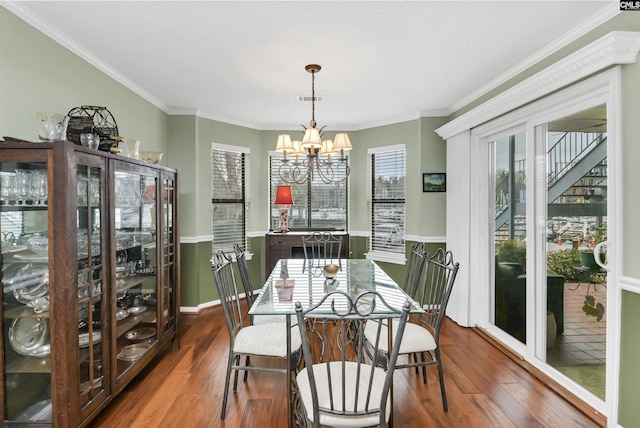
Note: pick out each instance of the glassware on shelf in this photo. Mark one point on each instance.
(51, 126)
(133, 148)
(29, 336)
(91, 141)
(23, 184)
(38, 244)
(94, 193)
(82, 193)
(39, 186)
(7, 187)
(39, 305)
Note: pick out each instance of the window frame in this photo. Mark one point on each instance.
(375, 252)
(227, 247)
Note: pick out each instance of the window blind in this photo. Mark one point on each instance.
(228, 199)
(388, 201)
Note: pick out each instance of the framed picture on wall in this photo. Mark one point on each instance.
(434, 182)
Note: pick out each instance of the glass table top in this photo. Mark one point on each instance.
(293, 281)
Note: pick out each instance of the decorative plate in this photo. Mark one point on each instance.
(42, 351)
(132, 352)
(137, 310)
(121, 314)
(8, 249)
(83, 338)
(141, 333)
(29, 257)
(40, 411)
(28, 334)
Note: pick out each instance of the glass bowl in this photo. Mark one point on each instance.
(90, 140)
(38, 244)
(151, 156)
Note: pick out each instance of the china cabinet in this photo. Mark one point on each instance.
(90, 278)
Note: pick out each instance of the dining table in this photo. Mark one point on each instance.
(304, 281)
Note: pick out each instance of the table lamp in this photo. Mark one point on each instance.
(284, 198)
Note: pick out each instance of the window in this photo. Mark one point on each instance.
(228, 197)
(316, 205)
(388, 172)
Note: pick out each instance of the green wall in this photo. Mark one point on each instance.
(629, 415)
(38, 74)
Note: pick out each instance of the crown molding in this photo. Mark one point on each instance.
(204, 115)
(617, 47)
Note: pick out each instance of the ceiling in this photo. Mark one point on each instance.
(244, 62)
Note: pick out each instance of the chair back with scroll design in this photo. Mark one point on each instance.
(346, 389)
(320, 249)
(415, 266)
(435, 289)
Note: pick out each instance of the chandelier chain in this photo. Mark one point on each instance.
(313, 98)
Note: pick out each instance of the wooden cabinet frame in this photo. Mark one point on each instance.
(62, 160)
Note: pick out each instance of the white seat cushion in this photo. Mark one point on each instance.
(327, 419)
(269, 340)
(415, 338)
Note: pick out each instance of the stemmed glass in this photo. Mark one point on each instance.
(39, 186)
(7, 187)
(23, 184)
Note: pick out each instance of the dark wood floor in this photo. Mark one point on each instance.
(485, 388)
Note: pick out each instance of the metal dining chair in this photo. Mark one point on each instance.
(320, 249)
(241, 260)
(264, 340)
(423, 337)
(346, 389)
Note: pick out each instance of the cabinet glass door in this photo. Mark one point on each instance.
(26, 362)
(168, 255)
(136, 264)
(91, 317)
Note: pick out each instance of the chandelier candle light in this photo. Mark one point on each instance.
(312, 155)
(284, 198)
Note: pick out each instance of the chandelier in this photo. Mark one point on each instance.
(312, 156)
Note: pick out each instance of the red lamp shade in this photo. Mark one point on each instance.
(284, 196)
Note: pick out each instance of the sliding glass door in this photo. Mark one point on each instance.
(548, 187)
(576, 181)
